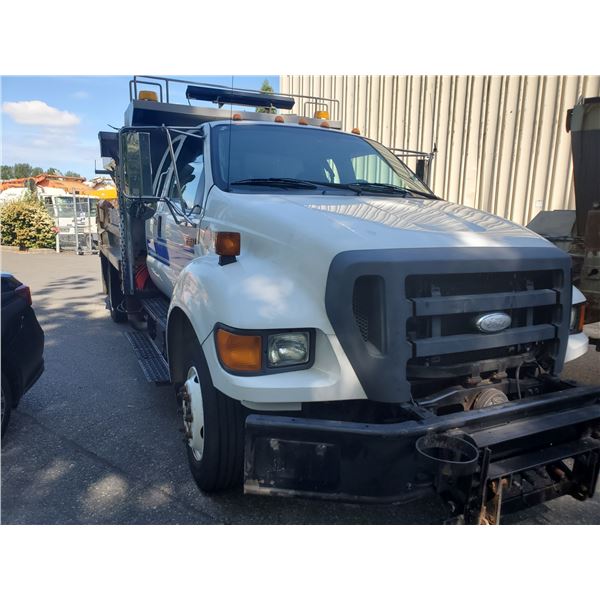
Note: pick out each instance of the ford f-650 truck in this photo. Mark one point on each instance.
(331, 327)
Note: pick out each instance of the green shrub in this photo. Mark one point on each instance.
(26, 223)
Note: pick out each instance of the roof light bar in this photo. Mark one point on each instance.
(231, 96)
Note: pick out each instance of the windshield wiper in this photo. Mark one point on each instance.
(388, 187)
(277, 181)
(340, 186)
(424, 194)
(365, 186)
(380, 187)
(358, 187)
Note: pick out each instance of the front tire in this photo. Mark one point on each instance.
(115, 296)
(213, 426)
(7, 401)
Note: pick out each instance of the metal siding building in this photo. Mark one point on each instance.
(501, 140)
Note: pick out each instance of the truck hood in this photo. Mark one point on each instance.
(377, 221)
(331, 224)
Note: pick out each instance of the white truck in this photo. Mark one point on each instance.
(331, 327)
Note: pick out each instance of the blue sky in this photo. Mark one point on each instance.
(54, 121)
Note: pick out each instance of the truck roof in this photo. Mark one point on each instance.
(148, 113)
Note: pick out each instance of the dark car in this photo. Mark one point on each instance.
(22, 344)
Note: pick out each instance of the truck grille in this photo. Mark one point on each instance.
(445, 307)
(400, 313)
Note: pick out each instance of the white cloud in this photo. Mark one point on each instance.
(46, 148)
(36, 112)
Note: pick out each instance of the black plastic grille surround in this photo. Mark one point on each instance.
(393, 308)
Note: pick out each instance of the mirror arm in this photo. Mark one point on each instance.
(172, 153)
(171, 209)
(175, 212)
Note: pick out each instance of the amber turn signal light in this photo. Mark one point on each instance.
(239, 352)
(227, 243)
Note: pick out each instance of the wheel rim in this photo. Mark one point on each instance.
(193, 413)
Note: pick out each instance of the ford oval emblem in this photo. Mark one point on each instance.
(493, 322)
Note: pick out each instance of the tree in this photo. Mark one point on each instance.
(26, 223)
(72, 174)
(22, 170)
(53, 171)
(31, 197)
(7, 172)
(36, 171)
(266, 88)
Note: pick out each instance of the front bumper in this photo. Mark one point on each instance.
(369, 462)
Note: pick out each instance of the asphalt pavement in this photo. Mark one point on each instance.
(94, 442)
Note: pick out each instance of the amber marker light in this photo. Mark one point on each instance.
(356, 131)
(581, 321)
(227, 243)
(239, 352)
(236, 117)
(325, 124)
(302, 122)
(321, 114)
(279, 119)
(148, 95)
(227, 246)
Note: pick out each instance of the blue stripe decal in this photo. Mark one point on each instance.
(158, 257)
(161, 249)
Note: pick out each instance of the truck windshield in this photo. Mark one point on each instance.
(251, 153)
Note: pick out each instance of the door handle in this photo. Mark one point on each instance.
(159, 226)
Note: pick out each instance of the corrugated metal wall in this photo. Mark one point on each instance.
(501, 140)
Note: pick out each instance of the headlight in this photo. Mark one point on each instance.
(288, 349)
(577, 318)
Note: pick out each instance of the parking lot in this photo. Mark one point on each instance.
(93, 442)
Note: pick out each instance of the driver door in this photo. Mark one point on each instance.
(179, 233)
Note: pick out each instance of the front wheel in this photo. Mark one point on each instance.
(213, 427)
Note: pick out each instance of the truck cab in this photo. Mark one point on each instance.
(331, 327)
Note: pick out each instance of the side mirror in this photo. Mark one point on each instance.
(136, 163)
(422, 171)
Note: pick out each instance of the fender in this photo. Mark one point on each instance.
(255, 294)
(250, 293)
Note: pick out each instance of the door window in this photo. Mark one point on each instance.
(190, 167)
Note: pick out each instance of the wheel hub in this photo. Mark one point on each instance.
(193, 413)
